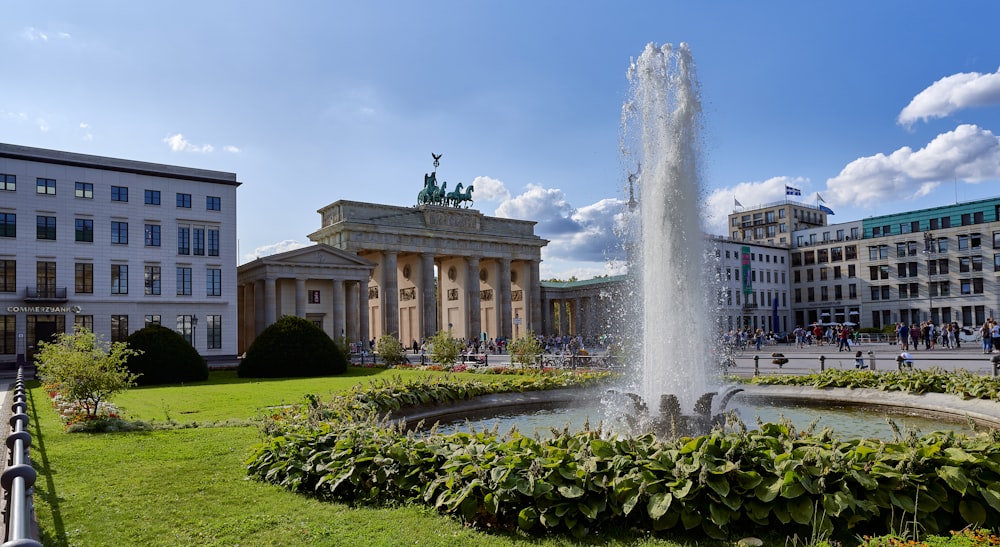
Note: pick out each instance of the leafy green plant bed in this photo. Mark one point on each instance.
(724, 484)
(961, 383)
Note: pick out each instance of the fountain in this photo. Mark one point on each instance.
(666, 241)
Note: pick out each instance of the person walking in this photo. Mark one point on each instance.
(903, 335)
(845, 338)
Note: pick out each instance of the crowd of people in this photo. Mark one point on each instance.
(930, 335)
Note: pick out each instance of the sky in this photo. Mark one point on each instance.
(878, 107)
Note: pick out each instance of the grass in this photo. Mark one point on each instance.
(188, 486)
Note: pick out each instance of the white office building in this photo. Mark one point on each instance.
(114, 245)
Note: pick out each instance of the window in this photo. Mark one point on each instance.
(84, 278)
(852, 270)
(8, 225)
(45, 278)
(213, 242)
(85, 321)
(183, 241)
(213, 282)
(85, 230)
(119, 328)
(996, 262)
(152, 197)
(314, 296)
(119, 279)
(186, 328)
(977, 263)
(875, 293)
(198, 242)
(8, 276)
(8, 334)
(8, 183)
(151, 279)
(84, 190)
(184, 200)
(183, 280)
(151, 320)
(975, 241)
(963, 243)
(852, 291)
(963, 264)
(46, 227)
(966, 286)
(152, 232)
(214, 332)
(213, 203)
(837, 272)
(119, 193)
(119, 233)
(45, 186)
(977, 285)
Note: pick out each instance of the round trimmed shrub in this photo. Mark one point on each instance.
(166, 358)
(292, 346)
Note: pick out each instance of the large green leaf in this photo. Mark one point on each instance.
(659, 504)
(800, 509)
(955, 477)
(602, 448)
(767, 491)
(571, 491)
(972, 511)
(719, 484)
(992, 495)
(527, 518)
(719, 515)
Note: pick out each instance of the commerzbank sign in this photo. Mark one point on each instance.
(43, 309)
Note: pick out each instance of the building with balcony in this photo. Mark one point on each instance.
(825, 270)
(114, 245)
(773, 223)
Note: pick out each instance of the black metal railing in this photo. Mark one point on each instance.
(42, 293)
(18, 479)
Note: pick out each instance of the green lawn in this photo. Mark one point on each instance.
(188, 486)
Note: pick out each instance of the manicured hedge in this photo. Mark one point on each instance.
(166, 358)
(292, 347)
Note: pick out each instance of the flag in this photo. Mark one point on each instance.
(789, 191)
(819, 198)
(738, 204)
(826, 209)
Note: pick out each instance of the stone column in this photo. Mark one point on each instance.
(577, 316)
(241, 322)
(547, 327)
(351, 320)
(363, 333)
(270, 302)
(563, 317)
(503, 302)
(337, 322)
(428, 298)
(300, 297)
(259, 321)
(390, 293)
(534, 305)
(473, 304)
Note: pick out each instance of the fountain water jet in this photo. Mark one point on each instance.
(667, 243)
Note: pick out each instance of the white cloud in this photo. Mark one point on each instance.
(85, 128)
(968, 152)
(32, 34)
(231, 149)
(274, 248)
(43, 125)
(720, 203)
(952, 93)
(178, 143)
(490, 189)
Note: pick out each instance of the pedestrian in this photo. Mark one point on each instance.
(845, 338)
(859, 361)
(903, 336)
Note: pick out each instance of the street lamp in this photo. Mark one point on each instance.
(194, 328)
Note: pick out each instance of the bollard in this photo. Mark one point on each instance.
(756, 365)
(822, 363)
(871, 360)
(996, 365)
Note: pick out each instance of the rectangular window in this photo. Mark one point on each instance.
(85, 230)
(119, 233)
(213, 203)
(8, 183)
(963, 243)
(45, 186)
(45, 279)
(151, 279)
(963, 264)
(8, 334)
(151, 197)
(119, 328)
(852, 271)
(185, 328)
(214, 332)
(184, 200)
(977, 285)
(152, 320)
(183, 241)
(198, 243)
(85, 321)
(8, 276)
(8, 225)
(84, 278)
(213, 282)
(213, 242)
(119, 193)
(183, 280)
(45, 227)
(119, 279)
(84, 190)
(966, 286)
(152, 235)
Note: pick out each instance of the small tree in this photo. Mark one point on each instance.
(84, 368)
(445, 349)
(525, 350)
(390, 350)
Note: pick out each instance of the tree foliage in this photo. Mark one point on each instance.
(292, 347)
(164, 357)
(526, 350)
(84, 368)
(445, 349)
(390, 350)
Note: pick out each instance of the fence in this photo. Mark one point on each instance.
(18, 479)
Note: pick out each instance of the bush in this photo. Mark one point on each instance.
(390, 350)
(292, 347)
(445, 349)
(166, 358)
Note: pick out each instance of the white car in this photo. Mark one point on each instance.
(970, 334)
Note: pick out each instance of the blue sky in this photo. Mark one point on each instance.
(878, 106)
